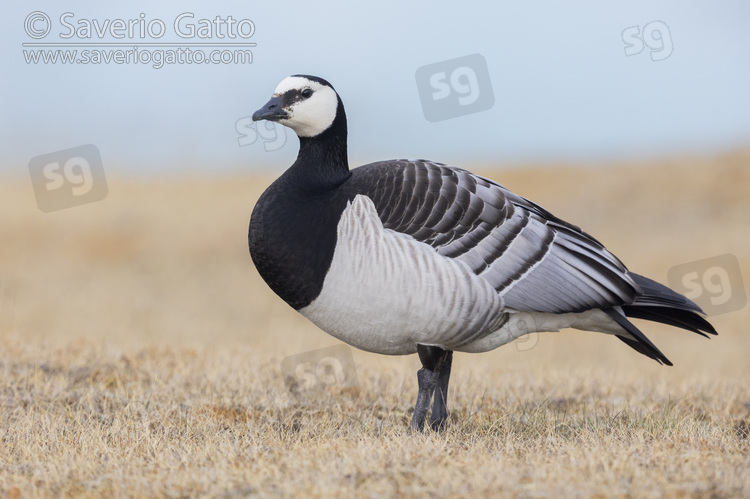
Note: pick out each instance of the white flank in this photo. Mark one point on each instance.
(311, 116)
(385, 292)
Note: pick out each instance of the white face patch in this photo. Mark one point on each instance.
(309, 116)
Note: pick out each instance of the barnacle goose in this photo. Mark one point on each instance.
(401, 256)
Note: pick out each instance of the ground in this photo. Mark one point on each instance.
(142, 355)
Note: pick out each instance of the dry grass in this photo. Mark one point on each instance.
(141, 356)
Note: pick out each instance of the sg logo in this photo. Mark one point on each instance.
(714, 284)
(68, 178)
(524, 330)
(317, 370)
(272, 133)
(463, 81)
(655, 36)
(456, 87)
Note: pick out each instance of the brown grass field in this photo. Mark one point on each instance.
(141, 353)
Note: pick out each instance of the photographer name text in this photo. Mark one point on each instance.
(39, 25)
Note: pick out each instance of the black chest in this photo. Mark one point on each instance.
(292, 239)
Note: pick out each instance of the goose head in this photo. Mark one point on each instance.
(307, 104)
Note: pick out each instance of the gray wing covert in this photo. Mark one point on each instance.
(534, 260)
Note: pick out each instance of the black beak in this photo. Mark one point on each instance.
(272, 111)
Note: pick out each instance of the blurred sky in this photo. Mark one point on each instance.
(564, 89)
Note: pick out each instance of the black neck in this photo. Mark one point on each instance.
(322, 162)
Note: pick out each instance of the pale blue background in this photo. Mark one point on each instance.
(564, 89)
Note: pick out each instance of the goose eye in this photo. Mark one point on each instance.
(306, 93)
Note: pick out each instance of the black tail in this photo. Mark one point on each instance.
(658, 303)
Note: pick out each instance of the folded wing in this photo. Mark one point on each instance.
(534, 260)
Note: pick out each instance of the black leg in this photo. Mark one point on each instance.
(435, 373)
(439, 416)
(427, 380)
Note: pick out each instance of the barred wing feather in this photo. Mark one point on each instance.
(534, 260)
